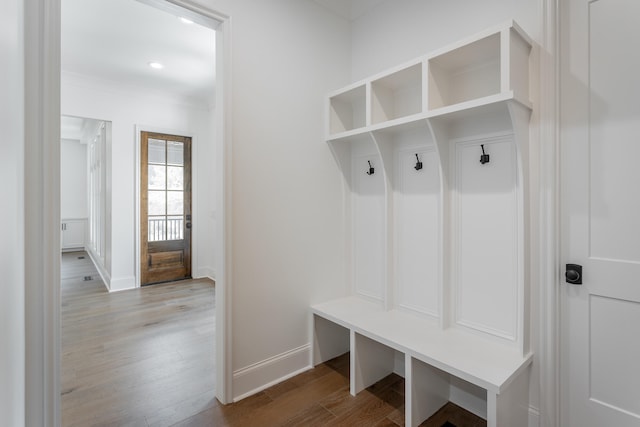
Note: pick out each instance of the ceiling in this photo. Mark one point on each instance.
(114, 41)
(349, 9)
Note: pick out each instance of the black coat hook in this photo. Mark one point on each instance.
(484, 158)
(371, 170)
(418, 165)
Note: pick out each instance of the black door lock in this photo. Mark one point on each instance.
(573, 274)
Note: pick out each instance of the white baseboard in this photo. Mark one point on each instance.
(74, 249)
(207, 272)
(122, 283)
(259, 376)
(104, 274)
(534, 417)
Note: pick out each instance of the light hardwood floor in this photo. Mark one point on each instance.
(142, 357)
(145, 358)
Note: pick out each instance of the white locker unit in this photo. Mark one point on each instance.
(434, 156)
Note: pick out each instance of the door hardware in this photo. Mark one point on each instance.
(573, 274)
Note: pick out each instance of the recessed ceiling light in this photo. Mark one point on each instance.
(156, 65)
(186, 20)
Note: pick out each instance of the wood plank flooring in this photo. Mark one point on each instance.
(145, 358)
(142, 357)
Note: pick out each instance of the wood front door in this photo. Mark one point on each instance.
(600, 148)
(165, 207)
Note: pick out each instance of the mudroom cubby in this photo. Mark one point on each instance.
(397, 95)
(434, 156)
(347, 109)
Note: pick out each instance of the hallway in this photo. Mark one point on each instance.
(143, 357)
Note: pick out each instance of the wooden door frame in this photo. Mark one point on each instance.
(141, 236)
(41, 119)
(138, 194)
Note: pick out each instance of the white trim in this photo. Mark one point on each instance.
(205, 272)
(104, 274)
(122, 283)
(264, 374)
(42, 21)
(224, 207)
(534, 417)
(224, 202)
(548, 310)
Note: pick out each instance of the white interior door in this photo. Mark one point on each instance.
(600, 155)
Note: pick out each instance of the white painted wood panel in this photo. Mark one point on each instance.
(614, 377)
(613, 132)
(368, 222)
(371, 361)
(417, 231)
(486, 237)
(428, 388)
(329, 340)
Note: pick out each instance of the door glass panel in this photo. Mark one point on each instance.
(175, 153)
(157, 203)
(157, 229)
(165, 190)
(157, 151)
(175, 177)
(157, 178)
(175, 204)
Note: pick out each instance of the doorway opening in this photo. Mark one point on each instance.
(85, 206)
(76, 85)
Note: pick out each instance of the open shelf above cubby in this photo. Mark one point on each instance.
(397, 95)
(347, 110)
(489, 67)
(469, 72)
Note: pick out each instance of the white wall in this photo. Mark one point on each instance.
(73, 179)
(400, 30)
(287, 194)
(12, 313)
(126, 109)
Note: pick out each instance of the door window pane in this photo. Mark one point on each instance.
(175, 204)
(175, 177)
(175, 227)
(157, 203)
(165, 190)
(175, 153)
(157, 149)
(157, 178)
(157, 229)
